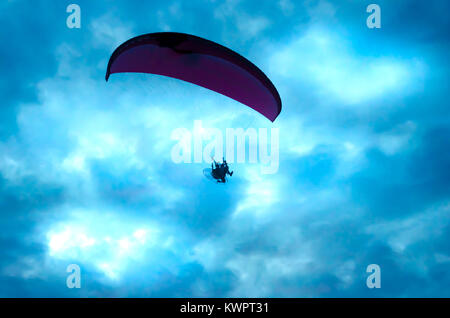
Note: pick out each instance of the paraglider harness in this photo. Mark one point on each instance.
(220, 170)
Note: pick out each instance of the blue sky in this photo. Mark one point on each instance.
(86, 175)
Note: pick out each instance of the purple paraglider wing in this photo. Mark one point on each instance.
(201, 62)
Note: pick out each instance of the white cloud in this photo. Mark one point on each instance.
(401, 233)
(104, 240)
(260, 194)
(251, 26)
(327, 61)
(109, 31)
(247, 25)
(397, 139)
(321, 10)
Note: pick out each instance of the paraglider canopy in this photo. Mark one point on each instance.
(201, 62)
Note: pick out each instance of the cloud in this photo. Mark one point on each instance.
(109, 31)
(86, 175)
(248, 26)
(322, 58)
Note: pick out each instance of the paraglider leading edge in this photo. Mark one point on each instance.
(198, 45)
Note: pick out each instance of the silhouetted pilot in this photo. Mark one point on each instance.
(220, 170)
(226, 168)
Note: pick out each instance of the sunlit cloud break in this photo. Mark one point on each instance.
(325, 59)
